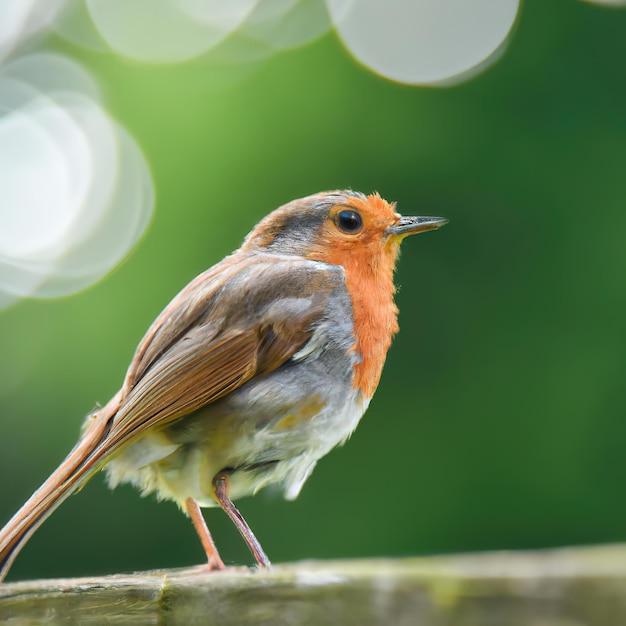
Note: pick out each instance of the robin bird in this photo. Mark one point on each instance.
(254, 371)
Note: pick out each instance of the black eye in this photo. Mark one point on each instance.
(349, 221)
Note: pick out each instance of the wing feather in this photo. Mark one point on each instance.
(217, 334)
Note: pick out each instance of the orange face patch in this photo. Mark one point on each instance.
(368, 258)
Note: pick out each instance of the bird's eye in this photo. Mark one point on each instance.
(349, 221)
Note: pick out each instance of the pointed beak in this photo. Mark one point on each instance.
(406, 226)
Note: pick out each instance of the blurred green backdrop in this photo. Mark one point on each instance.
(499, 422)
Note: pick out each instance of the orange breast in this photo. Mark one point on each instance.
(369, 279)
(375, 318)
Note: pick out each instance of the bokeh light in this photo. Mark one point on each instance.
(20, 19)
(75, 192)
(180, 30)
(272, 27)
(166, 31)
(287, 24)
(431, 42)
(424, 43)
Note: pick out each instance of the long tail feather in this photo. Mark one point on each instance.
(74, 471)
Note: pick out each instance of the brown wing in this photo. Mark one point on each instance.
(217, 334)
(182, 313)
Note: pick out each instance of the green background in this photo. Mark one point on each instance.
(499, 422)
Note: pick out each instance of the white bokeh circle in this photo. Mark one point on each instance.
(35, 215)
(423, 42)
(75, 191)
(287, 24)
(21, 19)
(166, 31)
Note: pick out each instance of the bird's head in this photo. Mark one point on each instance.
(340, 228)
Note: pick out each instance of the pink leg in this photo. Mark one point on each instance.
(215, 561)
(220, 487)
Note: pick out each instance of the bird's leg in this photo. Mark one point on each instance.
(220, 488)
(215, 561)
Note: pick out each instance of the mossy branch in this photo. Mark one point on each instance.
(565, 587)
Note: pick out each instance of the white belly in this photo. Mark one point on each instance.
(155, 464)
